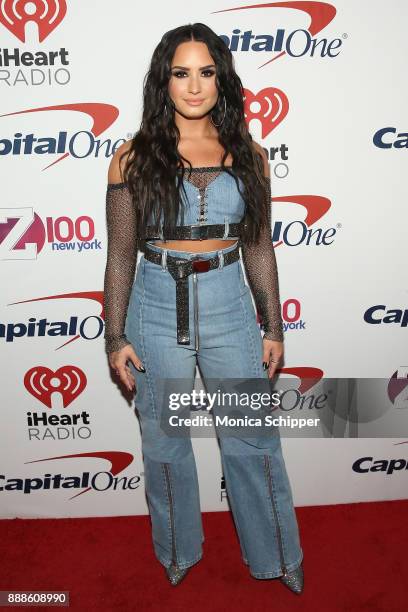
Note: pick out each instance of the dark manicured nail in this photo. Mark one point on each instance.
(142, 369)
(265, 365)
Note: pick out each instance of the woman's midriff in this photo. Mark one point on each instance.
(195, 246)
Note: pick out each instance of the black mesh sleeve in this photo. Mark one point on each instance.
(262, 273)
(120, 263)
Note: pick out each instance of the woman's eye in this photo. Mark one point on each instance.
(181, 73)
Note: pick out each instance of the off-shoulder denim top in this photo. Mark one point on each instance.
(211, 197)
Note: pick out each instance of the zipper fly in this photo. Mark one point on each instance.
(195, 297)
(278, 531)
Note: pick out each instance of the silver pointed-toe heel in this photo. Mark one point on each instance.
(176, 574)
(294, 580)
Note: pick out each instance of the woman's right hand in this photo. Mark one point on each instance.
(118, 362)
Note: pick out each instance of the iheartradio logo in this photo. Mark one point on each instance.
(46, 14)
(22, 67)
(67, 382)
(270, 106)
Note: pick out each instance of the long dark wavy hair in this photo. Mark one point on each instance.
(154, 170)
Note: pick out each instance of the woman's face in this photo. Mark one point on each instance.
(192, 85)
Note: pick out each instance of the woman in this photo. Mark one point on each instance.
(189, 190)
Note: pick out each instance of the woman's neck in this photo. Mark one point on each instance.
(195, 129)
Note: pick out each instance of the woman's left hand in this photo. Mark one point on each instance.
(272, 355)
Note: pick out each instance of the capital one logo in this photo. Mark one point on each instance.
(307, 376)
(69, 381)
(100, 481)
(270, 106)
(46, 14)
(295, 43)
(81, 144)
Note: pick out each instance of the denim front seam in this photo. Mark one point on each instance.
(170, 500)
(269, 485)
(142, 342)
(279, 529)
(250, 338)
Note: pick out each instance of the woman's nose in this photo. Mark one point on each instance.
(194, 84)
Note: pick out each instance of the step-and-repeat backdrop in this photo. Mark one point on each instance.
(326, 96)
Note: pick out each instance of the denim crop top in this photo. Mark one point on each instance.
(211, 197)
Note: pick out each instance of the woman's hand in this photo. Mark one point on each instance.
(272, 355)
(117, 361)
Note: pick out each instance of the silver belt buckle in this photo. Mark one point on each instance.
(199, 232)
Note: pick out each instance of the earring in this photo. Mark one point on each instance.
(225, 110)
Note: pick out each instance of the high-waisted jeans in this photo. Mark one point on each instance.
(230, 345)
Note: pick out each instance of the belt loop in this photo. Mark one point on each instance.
(221, 259)
(164, 260)
(226, 223)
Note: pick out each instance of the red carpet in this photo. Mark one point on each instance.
(355, 558)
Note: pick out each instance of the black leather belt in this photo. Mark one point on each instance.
(196, 232)
(180, 269)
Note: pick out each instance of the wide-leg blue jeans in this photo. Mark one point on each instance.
(230, 346)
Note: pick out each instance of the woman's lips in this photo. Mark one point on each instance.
(194, 102)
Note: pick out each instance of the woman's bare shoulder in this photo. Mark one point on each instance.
(117, 163)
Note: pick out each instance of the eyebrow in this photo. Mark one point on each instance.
(202, 67)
